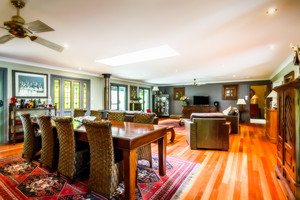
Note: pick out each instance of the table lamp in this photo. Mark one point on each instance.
(155, 89)
(241, 102)
(273, 96)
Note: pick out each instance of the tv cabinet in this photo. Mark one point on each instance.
(188, 110)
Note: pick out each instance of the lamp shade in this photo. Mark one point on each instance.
(254, 97)
(241, 102)
(155, 89)
(272, 94)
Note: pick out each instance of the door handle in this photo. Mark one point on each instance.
(1, 103)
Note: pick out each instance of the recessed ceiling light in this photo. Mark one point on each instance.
(234, 75)
(271, 47)
(66, 45)
(271, 11)
(140, 56)
(176, 70)
(79, 68)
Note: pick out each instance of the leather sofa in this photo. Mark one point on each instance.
(233, 119)
(207, 133)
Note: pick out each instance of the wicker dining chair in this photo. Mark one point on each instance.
(96, 113)
(106, 172)
(49, 155)
(144, 152)
(116, 116)
(32, 139)
(71, 160)
(79, 112)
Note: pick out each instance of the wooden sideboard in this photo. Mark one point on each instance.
(14, 122)
(288, 154)
(271, 125)
(188, 110)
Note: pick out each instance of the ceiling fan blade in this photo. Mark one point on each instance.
(39, 26)
(4, 27)
(46, 43)
(5, 38)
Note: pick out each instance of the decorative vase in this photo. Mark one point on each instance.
(185, 103)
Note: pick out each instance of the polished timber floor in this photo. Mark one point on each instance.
(246, 171)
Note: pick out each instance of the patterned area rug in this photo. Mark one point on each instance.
(20, 179)
(175, 123)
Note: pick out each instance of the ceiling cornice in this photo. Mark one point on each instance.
(34, 64)
(285, 63)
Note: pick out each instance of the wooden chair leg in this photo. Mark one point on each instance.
(41, 164)
(58, 175)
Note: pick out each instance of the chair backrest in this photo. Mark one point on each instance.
(116, 116)
(28, 147)
(47, 139)
(102, 167)
(96, 113)
(145, 118)
(99, 132)
(79, 112)
(67, 145)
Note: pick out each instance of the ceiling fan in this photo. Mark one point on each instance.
(17, 28)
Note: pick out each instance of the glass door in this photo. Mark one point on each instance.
(145, 98)
(118, 97)
(69, 94)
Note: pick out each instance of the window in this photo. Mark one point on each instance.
(85, 96)
(76, 95)
(145, 98)
(57, 93)
(67, 94)
(118, 97)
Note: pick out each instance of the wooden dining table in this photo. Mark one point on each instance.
(128, 136)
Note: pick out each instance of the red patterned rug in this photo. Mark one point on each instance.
(175, 123)
(20, 179)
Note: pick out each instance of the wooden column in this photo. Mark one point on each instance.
(106, 91)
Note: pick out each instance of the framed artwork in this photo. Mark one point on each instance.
(29, 85)
(133, 92)
(230, 92)
(178, 92)
(289, 77)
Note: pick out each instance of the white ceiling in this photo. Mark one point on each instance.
(218, 41)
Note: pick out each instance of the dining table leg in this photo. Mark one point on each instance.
(130, 166)
(162, 151)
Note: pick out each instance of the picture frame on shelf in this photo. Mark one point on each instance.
(289, 77)
(178, 92)
(230, 92)
(29, 85)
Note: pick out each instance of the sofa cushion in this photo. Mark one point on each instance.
(227, 110)
(207, 115)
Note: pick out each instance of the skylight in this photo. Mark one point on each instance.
(140, 56)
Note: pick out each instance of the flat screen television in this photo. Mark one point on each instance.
(201, 100)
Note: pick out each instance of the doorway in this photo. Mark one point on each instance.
(69, 94)
(3, 105)
(145, 98)
(258, 104)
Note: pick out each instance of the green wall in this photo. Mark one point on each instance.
(97, 82)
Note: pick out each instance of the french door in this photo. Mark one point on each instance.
(145, 98)
(118, 97)
(69, 94)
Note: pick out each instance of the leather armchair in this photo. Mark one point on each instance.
(207, 133)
